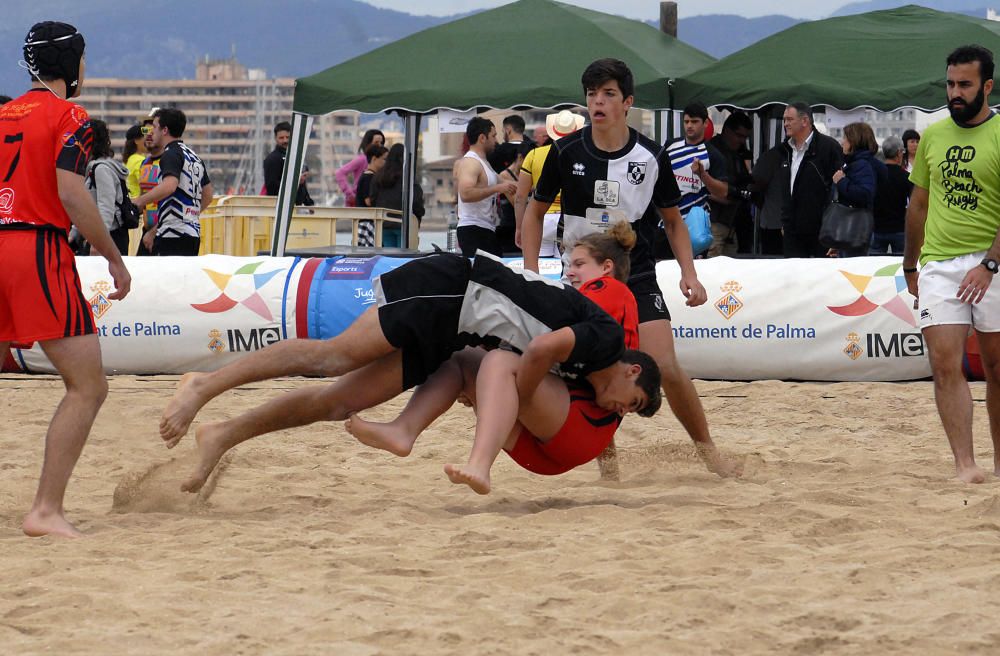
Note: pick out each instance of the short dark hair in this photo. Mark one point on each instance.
(5, 99)
(374, 151)
(803, 109)
(515, 122)
(284, 126)
(971, 53)
(696, 110)
(173, 119)
(910, 134)
(648, 380)
(607, 70)
(738, 120)
(478, 126)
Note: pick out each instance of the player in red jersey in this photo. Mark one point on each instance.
(44, 148)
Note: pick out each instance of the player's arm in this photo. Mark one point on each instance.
(468, 181)
(86, 217)
(539, 357)
(916, 217)
(167, 186)
(521, 198)
(718, 189)
(206, 196)
(680, 244)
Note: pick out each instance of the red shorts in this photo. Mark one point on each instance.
(586, 433)
(40, 295)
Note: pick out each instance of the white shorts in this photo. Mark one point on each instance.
(939, 304)
(550, 225)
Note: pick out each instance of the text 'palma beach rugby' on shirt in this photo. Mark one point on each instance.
(599, 188)
(180, 212)
(29, 192)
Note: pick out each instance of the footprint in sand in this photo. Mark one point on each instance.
(158, 488)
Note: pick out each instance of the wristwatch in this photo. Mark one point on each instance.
(991, 265)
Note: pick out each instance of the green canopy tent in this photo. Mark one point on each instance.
(528, 53)
(884, 60)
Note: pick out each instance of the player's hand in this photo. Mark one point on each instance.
(693, 291)
(911, 285)
(517, 237)
(122, 278)
(974, 284)
(147, 239)
(697, 167)
(509, 188)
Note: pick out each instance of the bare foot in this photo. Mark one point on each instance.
(380, 436)
(212, 445)
(971, 474)
(458, 475)
(36, 524)
(180, 412)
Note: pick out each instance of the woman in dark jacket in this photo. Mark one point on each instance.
(387, 192)
(857, 182)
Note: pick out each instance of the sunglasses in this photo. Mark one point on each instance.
(146, 129)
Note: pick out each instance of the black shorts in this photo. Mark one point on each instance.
(182, 245)
(649, 299)
(419, 305)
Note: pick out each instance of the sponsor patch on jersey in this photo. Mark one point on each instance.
(606, 193)
(636, 172)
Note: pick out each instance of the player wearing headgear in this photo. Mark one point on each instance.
(44, 148)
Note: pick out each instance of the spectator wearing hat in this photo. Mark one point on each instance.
(892, 195)
(557, 125)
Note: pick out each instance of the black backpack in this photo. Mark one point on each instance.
(129, 215)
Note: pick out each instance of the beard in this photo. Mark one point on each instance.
(962, 112)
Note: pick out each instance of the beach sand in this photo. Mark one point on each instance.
(847, 535)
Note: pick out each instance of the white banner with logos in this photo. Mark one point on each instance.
(184, 313)
(847, 319)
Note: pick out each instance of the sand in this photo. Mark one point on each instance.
(846, 535)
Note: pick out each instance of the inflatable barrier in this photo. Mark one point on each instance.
(821, 319)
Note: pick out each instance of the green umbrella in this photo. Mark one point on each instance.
(882, 59)
(527, 53)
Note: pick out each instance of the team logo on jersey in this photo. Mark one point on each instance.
(69, 140)
(730, 303)
(578, 169)
(6, 200)
(99, 302)
(636, 172)
(853, 349)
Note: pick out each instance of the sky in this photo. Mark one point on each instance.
(641, 9)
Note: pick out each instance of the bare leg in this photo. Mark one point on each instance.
(499, 417)
(428, 402)
(657, 339)
(78, 360)
(361, 343)
(373, 384)
(989, 347)
(945, 345)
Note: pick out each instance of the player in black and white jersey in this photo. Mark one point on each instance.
(183, 192)
(606, 172)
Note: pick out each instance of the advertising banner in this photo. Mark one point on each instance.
(847, 319)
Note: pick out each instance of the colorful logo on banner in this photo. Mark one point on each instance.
(730, 303)
(352, 268)
(883, 289)
(242, 287)
(99, 302)
(853, 349)
(216, 345)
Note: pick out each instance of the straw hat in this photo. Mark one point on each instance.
(562, 123)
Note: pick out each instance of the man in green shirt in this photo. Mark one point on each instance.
(952, 225)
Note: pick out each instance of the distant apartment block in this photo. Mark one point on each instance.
(231, 112)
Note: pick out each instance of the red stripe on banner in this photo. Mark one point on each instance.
(302, 297)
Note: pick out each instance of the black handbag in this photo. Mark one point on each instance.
(845, 227)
